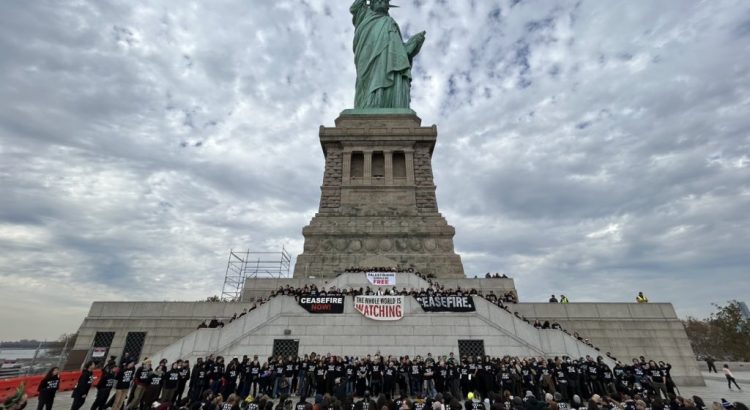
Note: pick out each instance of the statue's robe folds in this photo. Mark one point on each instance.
(383, 64)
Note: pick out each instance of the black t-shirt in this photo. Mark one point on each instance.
(365, 405)
(428, 372)
(107, 381)
(301, 405)
(155, 379)
(124, 377)
(184, 373)
(143, 376)
(474, 405)
(442, 373)
(172, 379)
(505, 376)
(49, 385)
(84, 384)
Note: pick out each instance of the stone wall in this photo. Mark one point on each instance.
(627, 330)
(163, 322)
(330, 197)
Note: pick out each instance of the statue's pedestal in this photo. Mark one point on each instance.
(378, 206)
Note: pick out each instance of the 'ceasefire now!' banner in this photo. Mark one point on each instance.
(322, 304)
(380, 307)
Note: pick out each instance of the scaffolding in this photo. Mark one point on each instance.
(247, 264)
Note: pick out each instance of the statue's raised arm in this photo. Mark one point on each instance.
(382, 58)
(358, 9)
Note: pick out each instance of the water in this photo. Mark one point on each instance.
(19, 354)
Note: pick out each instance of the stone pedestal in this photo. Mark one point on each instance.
(377, 205)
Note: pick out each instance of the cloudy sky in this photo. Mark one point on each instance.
(594, 148)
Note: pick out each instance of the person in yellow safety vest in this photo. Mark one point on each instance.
(564, 299)
(641, 298)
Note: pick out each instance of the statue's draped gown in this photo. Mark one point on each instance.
(383, 64)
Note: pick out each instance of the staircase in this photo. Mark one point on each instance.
(350, 333)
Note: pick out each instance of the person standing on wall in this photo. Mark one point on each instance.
(83, 386)
(47, 389)
(641, 298)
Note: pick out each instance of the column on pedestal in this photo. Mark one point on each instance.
(368, 168)
(388, 156)
(409, 166)
(346, 166)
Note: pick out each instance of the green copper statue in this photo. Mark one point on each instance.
(382, 58)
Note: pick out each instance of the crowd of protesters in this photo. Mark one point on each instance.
(379, 382)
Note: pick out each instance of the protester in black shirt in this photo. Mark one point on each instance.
(47, 389)
(362, 373)
(415, 377)
(474, 402)
(197, 375)
(376, 376)
(254, 376)
(83, 386)
(125, 376)
(561, 380)
(230, 377)
(366, 403)
(184, 371)
(301, 404)
(142, 381)
(657, 380)
(171, 382)
(104, 386)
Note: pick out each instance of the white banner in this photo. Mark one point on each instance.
(382, 278)
(380, 307)
(99, 352)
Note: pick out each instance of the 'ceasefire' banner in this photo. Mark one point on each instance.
(322, 304)
(382, 278)
(380, 307)
(450, 303)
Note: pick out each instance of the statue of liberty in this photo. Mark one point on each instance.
(382, 58)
